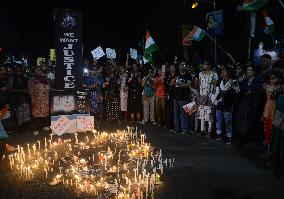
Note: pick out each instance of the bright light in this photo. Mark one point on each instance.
(194, 5)
(86, 70)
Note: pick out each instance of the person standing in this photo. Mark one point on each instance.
(248, 114)
(224, 99)
(95, 82)
(20, 100)
(38, 88)
(207, 82)
(148, 97)
(182, 96)
(161, 97)
(111, 95)
(134, 101)
(123, 92)
(171, 79)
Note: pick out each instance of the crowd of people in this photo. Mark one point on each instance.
(234, 103)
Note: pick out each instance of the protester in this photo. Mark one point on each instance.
(134, 101)
(95, 82)
(111, 95)
(170, 102)
(223, 99)
(123, 93)
(277, 139)
(208, 81)
(38, 88)
(20, 100)
(272, 90)
(181, 98)
(148, 97)
(160, 99)
(247, 123)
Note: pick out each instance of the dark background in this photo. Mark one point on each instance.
(27, 27)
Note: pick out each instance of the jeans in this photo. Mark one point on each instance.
(228, 122)
(181, 119)
(3, 133)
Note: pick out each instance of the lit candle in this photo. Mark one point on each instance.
(34, 148)
(38, 145)
(45, 144)
(18, 149)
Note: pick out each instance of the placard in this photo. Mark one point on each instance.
(85, 123)
(98, 53)
(60, 126)
(133, 53)
(110, 53)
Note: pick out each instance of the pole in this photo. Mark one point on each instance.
(215, 38)
(221, 48)
(249, 47)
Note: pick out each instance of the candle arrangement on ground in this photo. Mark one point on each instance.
(106, 165)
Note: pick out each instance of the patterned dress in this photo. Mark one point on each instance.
(206, 89)
(134, 102)
(112, 109)
(39, 92)
(95, 93)
(123, 93)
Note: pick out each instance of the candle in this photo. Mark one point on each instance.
(45, 144)
(18, 149)
(38, 145)
(34, 148)
(51, 137)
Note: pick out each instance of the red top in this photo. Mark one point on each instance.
(160, 87)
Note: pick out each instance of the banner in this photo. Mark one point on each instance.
(214, 22)
(60, 126)
(68, 49)
(69, 102)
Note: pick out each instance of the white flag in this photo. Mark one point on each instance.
(133, 53)
(110, 53)
(98, 53)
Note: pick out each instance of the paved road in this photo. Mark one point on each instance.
(204, 169)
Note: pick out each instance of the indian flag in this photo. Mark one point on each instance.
(250, 5)
(197, 34)
(150, 47)
(269, 24)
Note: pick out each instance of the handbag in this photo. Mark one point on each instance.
(204, 100)
(278, 120)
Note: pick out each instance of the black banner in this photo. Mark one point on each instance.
(68, 49)
(69, 102)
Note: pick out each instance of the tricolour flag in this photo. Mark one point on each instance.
(197, 34)
(250, 5)
(269, 24)
(150, 47)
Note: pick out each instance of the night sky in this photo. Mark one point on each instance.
(122, 24)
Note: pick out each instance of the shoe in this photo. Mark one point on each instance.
(35, 132)
(183, 132)
(228, 140)
(46, 128)
(171, 130)
(153, 122)
(218, 137)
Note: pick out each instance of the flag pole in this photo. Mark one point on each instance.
(221, 48)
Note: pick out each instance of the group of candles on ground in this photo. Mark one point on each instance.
(117, 165)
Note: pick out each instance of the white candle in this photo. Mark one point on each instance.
(45, 144)
(18, 149)
(38, 145)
